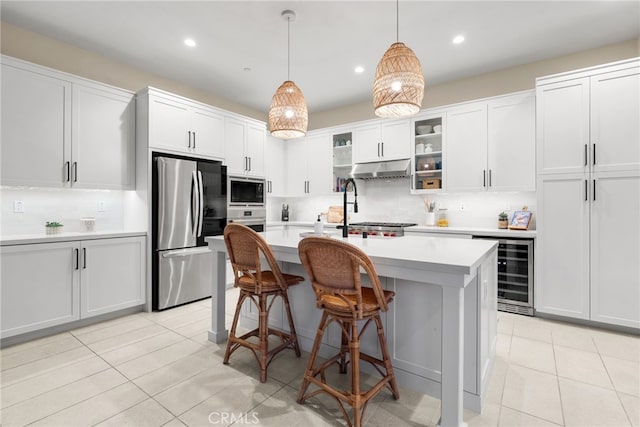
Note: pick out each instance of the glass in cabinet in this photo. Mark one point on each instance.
(342, 159)
(427, 160)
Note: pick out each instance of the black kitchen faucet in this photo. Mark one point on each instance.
(345, 226)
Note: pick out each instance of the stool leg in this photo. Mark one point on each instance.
(308, 373)
(354, 347)
(386, 358)
(344, 347)
(234, 325)
(263, 336)
(293, 336)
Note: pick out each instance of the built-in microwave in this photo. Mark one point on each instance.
(245, 191)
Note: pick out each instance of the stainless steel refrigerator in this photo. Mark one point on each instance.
(189, 204)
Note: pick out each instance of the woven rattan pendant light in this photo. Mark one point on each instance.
(288, 117)
(399, 84)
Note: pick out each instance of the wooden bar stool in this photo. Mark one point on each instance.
(245, 248)
(333, 268)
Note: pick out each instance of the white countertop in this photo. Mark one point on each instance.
(26, 239)
(474, 231)
(437, 254)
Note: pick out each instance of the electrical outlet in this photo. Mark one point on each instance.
(507, 206)
(102, 206)
(461, 206)
(18, 206)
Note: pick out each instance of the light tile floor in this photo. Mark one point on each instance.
(159, 369)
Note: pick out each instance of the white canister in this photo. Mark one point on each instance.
(431, 218)
(419, 148)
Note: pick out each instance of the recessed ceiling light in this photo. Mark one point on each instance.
(359, 69)
(458, 39)
(190, 42)
(247, 69)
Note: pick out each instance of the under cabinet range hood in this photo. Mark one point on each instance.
(387, 169)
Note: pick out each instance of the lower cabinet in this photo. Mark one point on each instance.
(50, 284)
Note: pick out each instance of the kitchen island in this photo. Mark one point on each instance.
(441, 326)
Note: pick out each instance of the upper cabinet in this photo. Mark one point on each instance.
(274, 158)
(308, 162)
(589, 122)
(342, 143)
(386, 140)
(244, 147)
(63, 131)
(491, 145)
(183, 126)
(428, 153)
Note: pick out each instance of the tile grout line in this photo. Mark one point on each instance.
(555, 364)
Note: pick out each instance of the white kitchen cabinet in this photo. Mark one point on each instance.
(183, 126)
(274, 166)
(387, 140)
(588, 243)
(467, 148)
(342, 143)
(103, 133)
(112, 275)
(36, 118)
(428, 153)
(40, 286)
(50, 284)
(59, 130)
(244, 147)
(309, 170)
(491, 145)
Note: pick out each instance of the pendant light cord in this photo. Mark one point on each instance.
(397, 20)
(288, 48)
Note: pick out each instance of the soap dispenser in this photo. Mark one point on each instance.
(317, 227)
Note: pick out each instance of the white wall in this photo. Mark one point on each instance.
(66, 206)
(390, 200)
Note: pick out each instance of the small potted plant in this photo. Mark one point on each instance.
(503, 220)
(430, 207)
(53, 227)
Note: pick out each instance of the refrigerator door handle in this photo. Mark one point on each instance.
(195, 203)
(200, 204)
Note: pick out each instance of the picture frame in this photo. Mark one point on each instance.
(520, 220)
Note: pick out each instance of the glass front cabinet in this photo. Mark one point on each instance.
(428, 161)
(342, 159)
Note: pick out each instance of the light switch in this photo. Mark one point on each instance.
(102, 206)
(18, 206)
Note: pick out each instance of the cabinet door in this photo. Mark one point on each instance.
(396, 138)
(615, 249)
(36, 123)
(169, 122)
(207, 129)
(562, 126)
(112, 275)
(255, 149)
(234, 153)
(40, 286)
(512, 143)
(296, 174)
(319, 170)
(366, 144)
(467, 148)
(615, 120)
(562, 246)
(103, 139)
(274, 166)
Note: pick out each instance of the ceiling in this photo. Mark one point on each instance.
(328, 39)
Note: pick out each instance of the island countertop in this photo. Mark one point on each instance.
(454, 256)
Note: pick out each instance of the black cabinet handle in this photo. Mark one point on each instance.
(249, 164)
(189, 138)
(585, 154)
(594, 153)
(84, 258)
(489, 177)
(75, 171)
(594, 190)
(68, 167)
(77, 258)
(382, 149)
(378, 149)
(484, 178)
(586, 190)
(194, 139)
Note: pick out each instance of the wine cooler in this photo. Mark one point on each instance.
(515, 275)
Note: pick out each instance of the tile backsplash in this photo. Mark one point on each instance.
(391, 201)
(66, 206)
